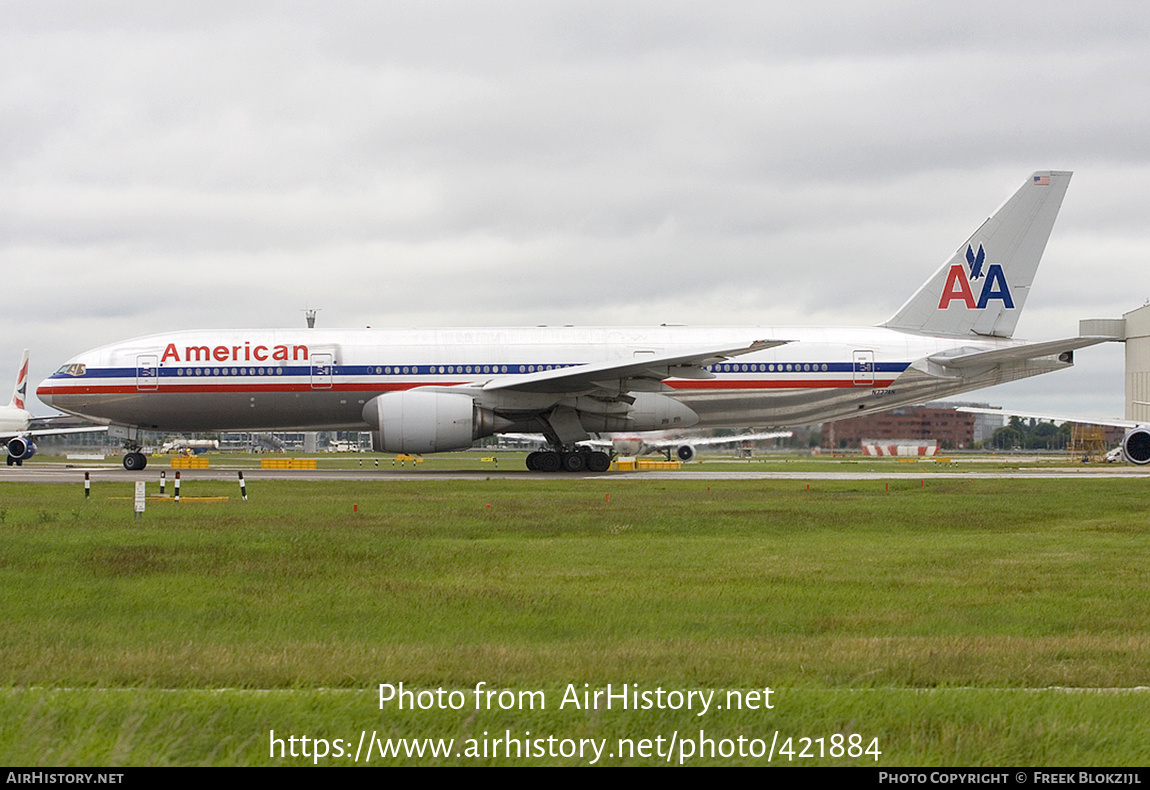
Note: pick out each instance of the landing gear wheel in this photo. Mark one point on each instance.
(598, 462)
(134, 462)
(533, 462)
(574, 462)
(548, 462)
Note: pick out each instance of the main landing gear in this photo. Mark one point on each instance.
(579, 460)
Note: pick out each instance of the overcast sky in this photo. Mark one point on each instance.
(227, 164)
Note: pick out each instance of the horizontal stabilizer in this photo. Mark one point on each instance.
(958, 359)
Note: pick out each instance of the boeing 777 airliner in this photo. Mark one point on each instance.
(431, 390)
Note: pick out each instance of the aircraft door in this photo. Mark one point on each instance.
(864, 368)
(321, 370)
(147, 373)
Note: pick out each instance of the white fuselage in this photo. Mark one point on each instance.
(320, 379)
(13, 421)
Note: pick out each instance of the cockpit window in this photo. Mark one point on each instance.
(75, 369)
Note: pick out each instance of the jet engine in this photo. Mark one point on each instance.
(685, 453)
(20, 450)
(421, 421)
(1136, 446)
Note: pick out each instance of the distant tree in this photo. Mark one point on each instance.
(1007, 438)
(1030, 435)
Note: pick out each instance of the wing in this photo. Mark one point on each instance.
(634, 374)
(58, 425)
(50, 432)
(714, 440)
(1078, 418)
(62, 431)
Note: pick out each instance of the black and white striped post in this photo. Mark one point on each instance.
(243, 487)
(177, 486)
(87, 486)
(163, 482)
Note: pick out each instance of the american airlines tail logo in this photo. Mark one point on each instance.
(958, 283)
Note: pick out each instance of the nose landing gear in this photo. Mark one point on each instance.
(134, 461)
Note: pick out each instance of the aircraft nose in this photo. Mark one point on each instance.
(43, 394)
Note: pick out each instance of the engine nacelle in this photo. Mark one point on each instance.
(20, 449)
(1136, 446)
(420, 421)
(685, 453)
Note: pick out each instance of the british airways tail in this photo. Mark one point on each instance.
(20, 391)
(981, 290)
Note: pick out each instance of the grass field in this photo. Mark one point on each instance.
(993, 622)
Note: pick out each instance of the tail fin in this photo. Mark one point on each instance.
(20, 392)
(981, 290)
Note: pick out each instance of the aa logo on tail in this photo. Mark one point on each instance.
(958, 282)
(975, 261)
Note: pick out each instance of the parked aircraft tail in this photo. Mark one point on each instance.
(20, 391)
(982, 288)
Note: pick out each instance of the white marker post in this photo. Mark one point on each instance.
(163, 482)
(141, 497)
(243, 487)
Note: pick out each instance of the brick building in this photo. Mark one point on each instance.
(951, 429)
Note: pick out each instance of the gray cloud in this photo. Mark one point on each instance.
(478, 163)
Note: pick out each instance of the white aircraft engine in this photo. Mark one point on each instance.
(685, 453)
(419, 421)
(1136, 446)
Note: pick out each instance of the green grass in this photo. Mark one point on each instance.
(940, 727)
(923, 615)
